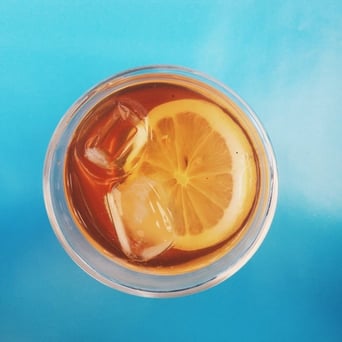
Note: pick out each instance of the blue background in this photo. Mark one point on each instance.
(283, 57)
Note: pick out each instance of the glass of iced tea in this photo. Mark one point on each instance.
(160, 182)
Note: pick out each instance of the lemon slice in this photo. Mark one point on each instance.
(205, 163)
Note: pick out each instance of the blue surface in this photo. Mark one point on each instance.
(284, 58)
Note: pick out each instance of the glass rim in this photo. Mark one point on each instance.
(219, 275)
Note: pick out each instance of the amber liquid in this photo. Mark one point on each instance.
(87, 183)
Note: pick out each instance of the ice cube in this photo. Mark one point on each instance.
(141, 218)
(121, 140)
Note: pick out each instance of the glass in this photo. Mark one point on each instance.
(134, 281)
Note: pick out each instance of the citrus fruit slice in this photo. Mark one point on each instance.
(205, 164)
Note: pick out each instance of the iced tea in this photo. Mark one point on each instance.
(162, 176)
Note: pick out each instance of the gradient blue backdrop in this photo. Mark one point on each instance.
(283, 57)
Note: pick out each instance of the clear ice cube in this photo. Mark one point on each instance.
(140, 215)
(122, 138)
